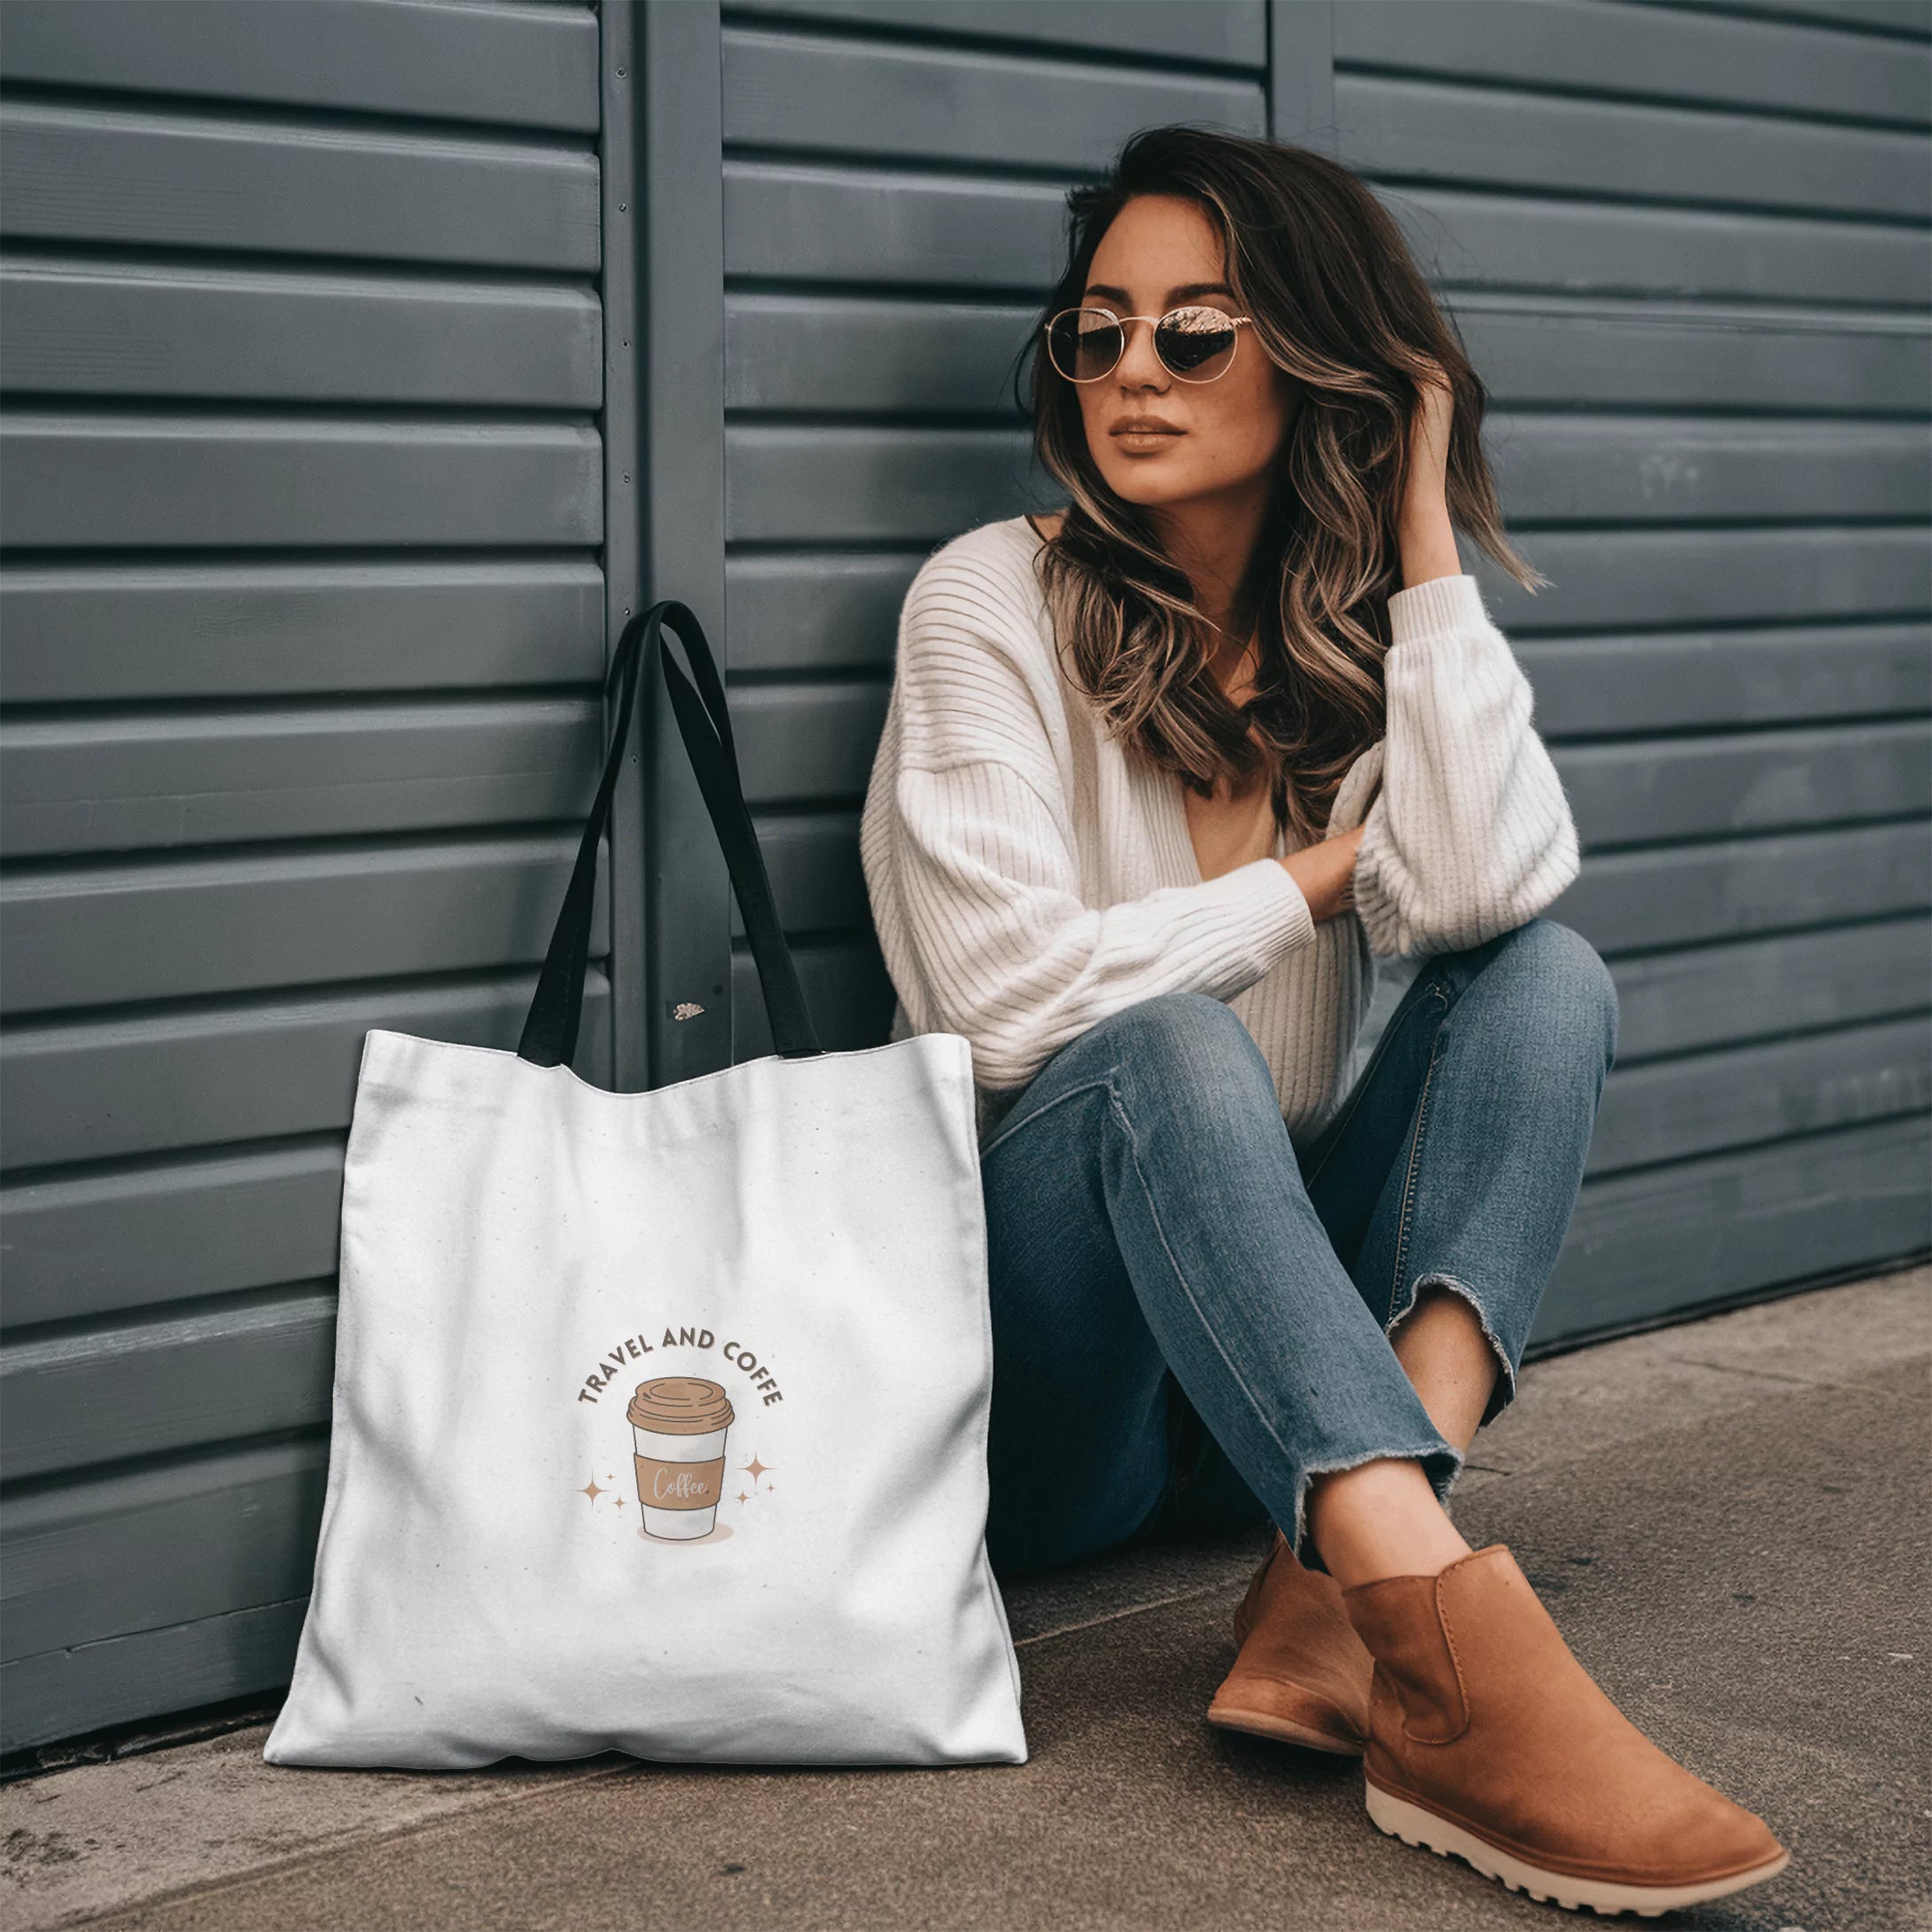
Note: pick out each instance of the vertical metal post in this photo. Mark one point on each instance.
(623, 529)
(679, 239)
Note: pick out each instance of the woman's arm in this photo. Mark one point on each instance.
(1471, 834)
(966, 832)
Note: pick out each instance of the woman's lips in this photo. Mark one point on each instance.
(1146, 441)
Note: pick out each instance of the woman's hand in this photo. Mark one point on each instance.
(1423, 532)
(1326, 873)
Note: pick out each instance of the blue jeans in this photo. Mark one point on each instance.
(1190, 1319)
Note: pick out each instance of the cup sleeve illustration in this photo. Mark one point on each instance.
(678, 1427)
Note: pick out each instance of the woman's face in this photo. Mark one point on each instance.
(1159, 251)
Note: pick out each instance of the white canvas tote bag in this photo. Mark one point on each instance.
(660, 1418)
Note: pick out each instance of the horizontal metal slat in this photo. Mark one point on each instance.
(1710, 786)
(951, 104)
(239, 630)
(136, 329)
(1680, 53)
(1468, 239)
(1429, 131)
(166, 482)
(169, 181)
(526, 67)
(261, 919)
(160, 1082)
(1228, 32)
(121, 782)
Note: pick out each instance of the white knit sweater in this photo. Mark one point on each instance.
(1028, 876)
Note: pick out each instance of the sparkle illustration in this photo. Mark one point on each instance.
(754, 1468)
(591, 1490)
(743, 1498)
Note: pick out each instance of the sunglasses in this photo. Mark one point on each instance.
(1195, 345)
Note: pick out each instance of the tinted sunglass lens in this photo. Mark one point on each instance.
(1197, 344)
(1084, 344)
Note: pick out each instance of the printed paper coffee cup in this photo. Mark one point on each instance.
(677, 1425)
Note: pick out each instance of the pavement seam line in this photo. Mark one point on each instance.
(318, 1854)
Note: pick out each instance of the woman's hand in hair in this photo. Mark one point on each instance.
(1425, 536)
(1326, 873)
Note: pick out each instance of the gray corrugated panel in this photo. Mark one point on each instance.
(109, 1239)
(219, 1373)
(139, 329)
(858, 354)
(1696, 997)
(99, 1240)
(1663, 53)
(117, 782)
(1674, 895)
(159, 181)
(1705, 355)
(1224, 32)
(171, 481)
(1659, 1242)
(519, 65)
(1430, 131)
(1906, 18)
(1754, 676)
(200, 629)
(157, 1080)
(804, 611)
(1651, 577)
(57, 1694)
(1720, 468)
(1470, 240)
(843, 355)
(825, 223)
(92, 935)
(885, 483)
(93, 1558)
(938, 104)
(1700, 1103)
(337, 609)
(1711, 784)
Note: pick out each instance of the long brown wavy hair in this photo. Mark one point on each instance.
(1339, 303)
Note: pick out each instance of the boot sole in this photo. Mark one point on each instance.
(1429, 1832)
(1281, 1730)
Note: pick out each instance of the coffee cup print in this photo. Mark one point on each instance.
(677, 1425)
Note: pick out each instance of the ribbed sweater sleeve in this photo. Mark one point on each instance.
(968, 813)
(1471, 834)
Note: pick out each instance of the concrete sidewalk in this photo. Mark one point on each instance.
(1728, 1519)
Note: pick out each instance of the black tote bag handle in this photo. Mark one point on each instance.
(550, 1033)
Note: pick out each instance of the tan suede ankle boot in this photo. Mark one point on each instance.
(1302, 1675)
(1487, 1739)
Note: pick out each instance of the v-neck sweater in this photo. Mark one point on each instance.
(1029, 875)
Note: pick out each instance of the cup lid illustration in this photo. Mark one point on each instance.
(680, 1406)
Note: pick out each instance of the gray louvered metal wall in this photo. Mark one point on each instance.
(1689, 251)
(319, 332)
(304, 629)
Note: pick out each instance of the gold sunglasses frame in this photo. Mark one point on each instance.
(1121, 321)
